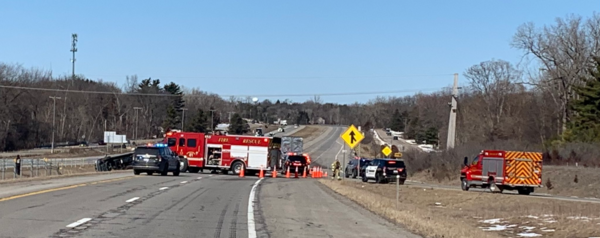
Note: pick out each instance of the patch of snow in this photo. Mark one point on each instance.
(494, 228)
(549, 220)
(492, 221)
(511, 226)
(547, 215)
(534, 217)
(528, 234)
(548, 230)
(438, 203)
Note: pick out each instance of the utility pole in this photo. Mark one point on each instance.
(452, 120)
(182, 117)
(212, 127)
(229, 116)
(73, 49)
(136, 121)
(53, 121)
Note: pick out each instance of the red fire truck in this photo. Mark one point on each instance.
(503, 170)
(225, 152)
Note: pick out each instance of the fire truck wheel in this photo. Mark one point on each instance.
(183, 165)
(237, 167)
(464, 185)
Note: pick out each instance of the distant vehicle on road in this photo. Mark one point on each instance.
(351, 168)
(503, 170)
(155, 158)
(385, 171)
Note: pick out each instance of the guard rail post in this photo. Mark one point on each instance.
(37, 167)
(31, 172)
(3, 167)
(397, 190)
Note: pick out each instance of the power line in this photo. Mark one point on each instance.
(248, 95)
(281, 77)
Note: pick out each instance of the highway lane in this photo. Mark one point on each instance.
(305, 208)
(191, 205)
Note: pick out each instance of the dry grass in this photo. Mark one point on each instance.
(310, 132)
(42, 172)
(448, 213)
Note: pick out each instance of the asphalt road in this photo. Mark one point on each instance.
(304, 208)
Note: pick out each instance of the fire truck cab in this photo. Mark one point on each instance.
(223, 152)
(503, 170)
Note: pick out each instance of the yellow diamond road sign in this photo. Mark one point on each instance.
(386, 151)
(352, 136)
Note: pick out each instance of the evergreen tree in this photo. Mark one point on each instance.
(199, 122)
(398, 121)
(236, 126)
(585, 124)
(176, 103)
(171, 121)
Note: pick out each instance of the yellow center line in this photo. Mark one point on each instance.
(62, 188)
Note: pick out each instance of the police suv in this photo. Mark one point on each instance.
(385, 170)
(155, 158)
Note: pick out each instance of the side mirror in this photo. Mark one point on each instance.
(466, 162)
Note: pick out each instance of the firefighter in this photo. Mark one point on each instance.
(336, 169)
(18, 165)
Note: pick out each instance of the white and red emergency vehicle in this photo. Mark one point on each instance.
(225, 152)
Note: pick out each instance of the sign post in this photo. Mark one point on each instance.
(397, 190)
(352, 137)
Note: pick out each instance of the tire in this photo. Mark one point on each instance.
(354, 174)
(177, 171)
(183, 165)
(346, 174)
(402, 182)
(365, 179)
(237, 167)
(524, 191)
(378, 179)
(135, 172)
(464, 184)
(149, 173)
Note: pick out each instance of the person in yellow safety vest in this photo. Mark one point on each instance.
(336, 169)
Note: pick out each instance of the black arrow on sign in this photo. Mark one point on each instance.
(352, 139)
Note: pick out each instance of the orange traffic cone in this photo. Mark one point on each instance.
(287, 173)
(320, 172)
(312, 172)
(304, 172)
(242, 172)
(296, 173)
(274, 173)
(261, 173)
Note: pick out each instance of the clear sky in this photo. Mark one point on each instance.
(273, 47)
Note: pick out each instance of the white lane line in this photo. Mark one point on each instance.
(163, 188)
(251, 199)
(133, 199)
(199, 177)
(341, 147)
(183, 181)
(78, 223)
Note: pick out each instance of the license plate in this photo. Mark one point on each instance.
(395, 171)
(146, 160)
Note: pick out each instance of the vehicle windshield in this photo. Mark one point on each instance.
(395, 163)
(146, 150)
(299, 158)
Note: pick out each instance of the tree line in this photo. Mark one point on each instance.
(550, 103)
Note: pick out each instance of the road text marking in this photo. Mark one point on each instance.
(251, 199)
(78, 223)
(133, 199)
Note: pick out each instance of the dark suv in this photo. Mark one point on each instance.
(385, 170)
(295, 161)
(352, 170)
(152, 159)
